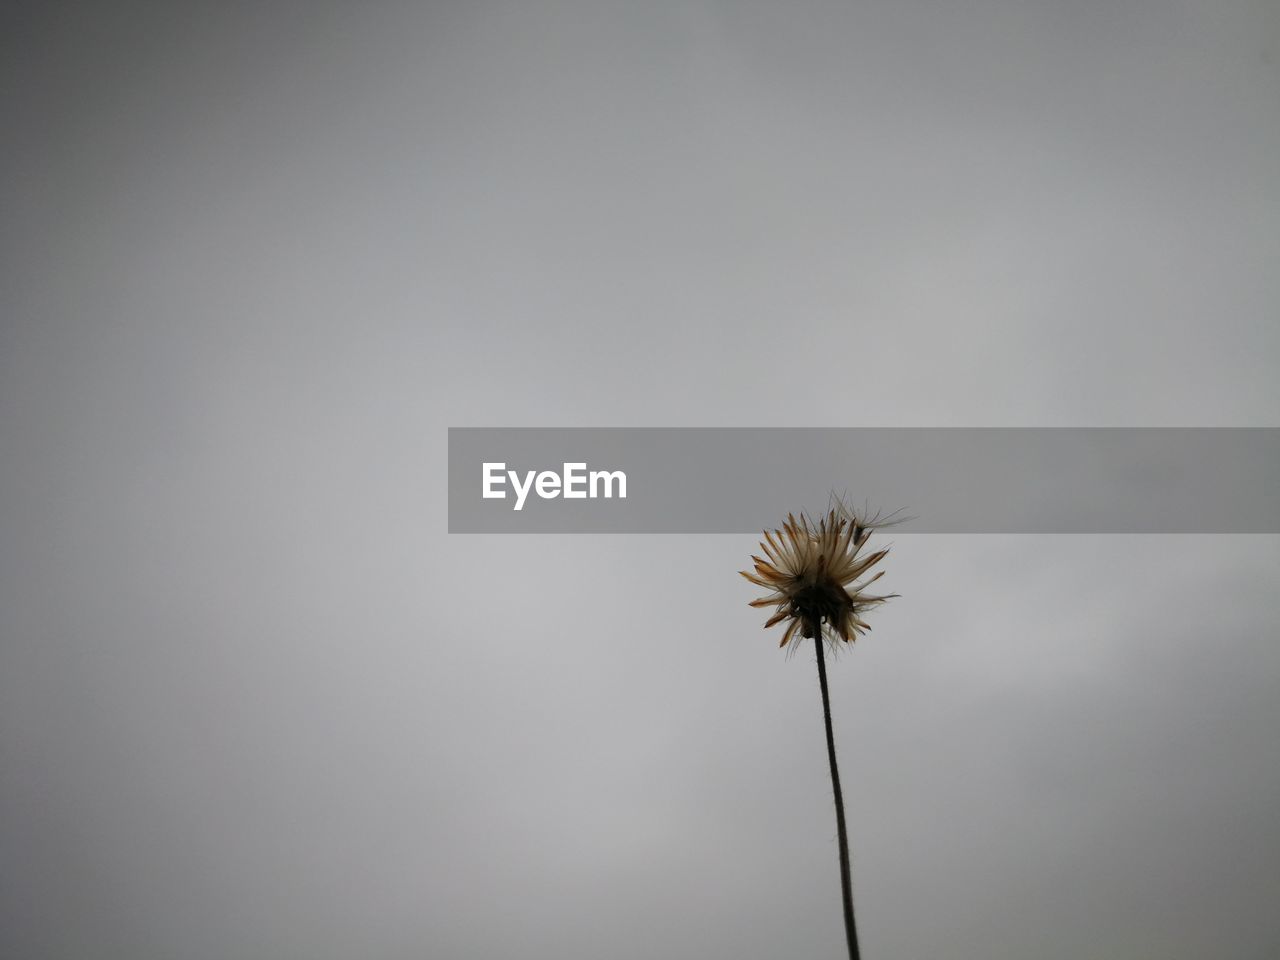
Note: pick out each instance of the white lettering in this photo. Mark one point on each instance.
(548, 484)
(574, 483)
(521, 491)
(492, 475)
(573, 474)
(608, 478)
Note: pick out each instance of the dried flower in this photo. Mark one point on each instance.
(812, 569)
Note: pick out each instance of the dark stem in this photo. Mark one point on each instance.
(846, 881)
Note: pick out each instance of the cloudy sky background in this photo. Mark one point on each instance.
(254, 700)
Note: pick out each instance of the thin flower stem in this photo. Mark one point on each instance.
(846, 881)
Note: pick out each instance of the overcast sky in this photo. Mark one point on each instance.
(255, 702)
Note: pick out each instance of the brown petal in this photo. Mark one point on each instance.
(867, 563)
(764, 568)
(791, 629)
(777, 617)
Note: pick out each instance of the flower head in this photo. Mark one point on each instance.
(813, 570)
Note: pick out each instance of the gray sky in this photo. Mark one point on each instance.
(255, 702)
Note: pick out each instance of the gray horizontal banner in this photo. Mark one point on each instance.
(965, 480)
